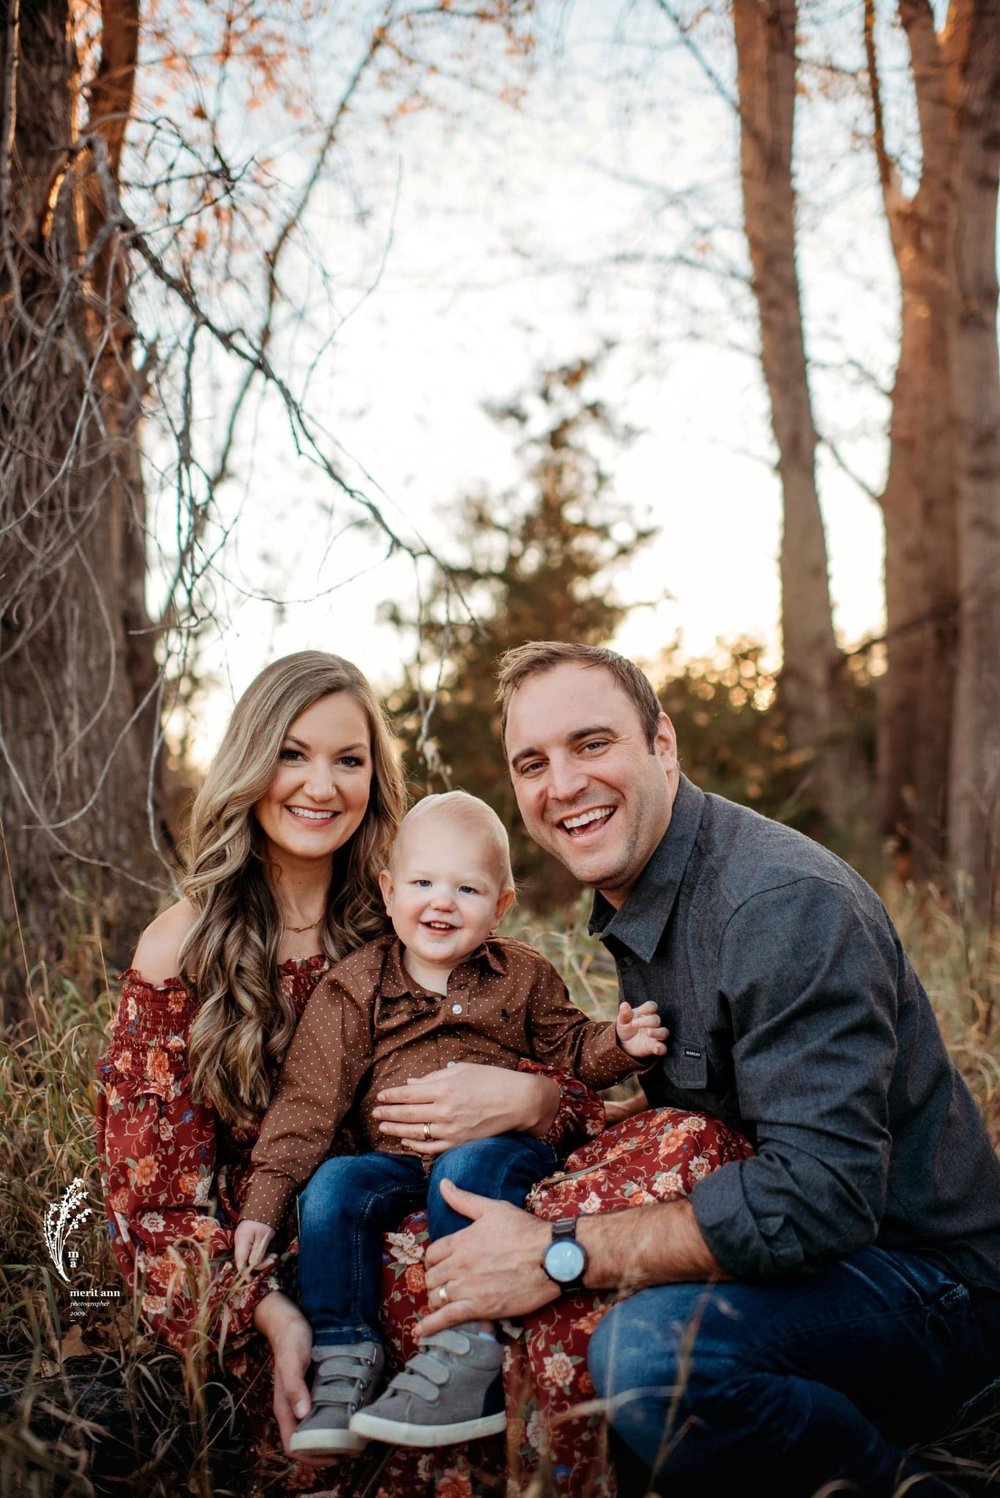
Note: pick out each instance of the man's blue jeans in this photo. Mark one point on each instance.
(351, 1200)
(781, 1388)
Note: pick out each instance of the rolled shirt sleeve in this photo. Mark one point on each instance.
(811, 982)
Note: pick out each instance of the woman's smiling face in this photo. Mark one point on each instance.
(319, 793)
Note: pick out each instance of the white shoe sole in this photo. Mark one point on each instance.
(337, 1442)
(395, 1433)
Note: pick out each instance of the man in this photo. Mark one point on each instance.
(811, 1312)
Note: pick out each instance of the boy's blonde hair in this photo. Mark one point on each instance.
(472, 813)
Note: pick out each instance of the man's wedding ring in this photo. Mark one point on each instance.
(442, 1292)
(427, 1132)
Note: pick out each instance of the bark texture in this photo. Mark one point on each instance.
(77, 669)
(974, 801)
(919, 499)
(811, 683)
(939, 719)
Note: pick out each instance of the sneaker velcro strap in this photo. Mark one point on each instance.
(427, 1372)
(410, 1382)
(340, 1392)
(344, 1391)
(341, 1367)
(423, 1376)
(352, 1352)
(450, 1340)
(341, 1376)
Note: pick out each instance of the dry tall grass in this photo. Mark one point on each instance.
(89, 1404)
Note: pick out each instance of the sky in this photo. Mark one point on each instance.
(487, 242)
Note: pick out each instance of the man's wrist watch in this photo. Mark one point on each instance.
(565, 1260)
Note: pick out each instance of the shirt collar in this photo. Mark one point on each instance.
(640, 921)
(396, 981)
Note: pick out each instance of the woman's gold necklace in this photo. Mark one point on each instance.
(299, 929)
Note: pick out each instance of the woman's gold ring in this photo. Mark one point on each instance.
(442, 1292)
(427, 1132)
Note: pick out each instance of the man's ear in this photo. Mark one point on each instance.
(505, 901)
(387, 887)
(665, 744)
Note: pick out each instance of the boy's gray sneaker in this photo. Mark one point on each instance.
(451, 1390)
(346, 1378)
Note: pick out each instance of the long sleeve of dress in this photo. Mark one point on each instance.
(167, 1185)
(580, 1115)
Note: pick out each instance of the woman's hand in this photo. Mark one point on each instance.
(466, 1101)
(290, 1336)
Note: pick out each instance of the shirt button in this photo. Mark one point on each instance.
(456, 1008)
(449, 1063)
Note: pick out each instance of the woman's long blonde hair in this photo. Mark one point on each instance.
(244, 1023)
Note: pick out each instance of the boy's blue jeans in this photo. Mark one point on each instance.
(799, 1383)
(351, 1200)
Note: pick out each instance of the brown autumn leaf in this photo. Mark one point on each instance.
(73, 1345)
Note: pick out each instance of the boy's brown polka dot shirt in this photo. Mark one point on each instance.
(369, 1026)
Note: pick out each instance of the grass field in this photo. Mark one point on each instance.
(78, 1378)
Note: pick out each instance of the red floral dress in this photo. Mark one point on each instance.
(174, 1179)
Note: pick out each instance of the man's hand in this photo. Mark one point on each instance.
(466, 1101)
(493, 1268)
(250, 1243)
(640, 1031)
(490, 1269)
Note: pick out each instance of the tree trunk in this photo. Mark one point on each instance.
(974, 57)
(78, 711)
(939, 725)
(919, 501)
(811, 683)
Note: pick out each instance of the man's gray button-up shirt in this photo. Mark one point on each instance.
(795, 1016)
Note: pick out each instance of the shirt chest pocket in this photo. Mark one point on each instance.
(686, 1061)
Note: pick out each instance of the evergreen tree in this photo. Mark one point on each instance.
(538, 562)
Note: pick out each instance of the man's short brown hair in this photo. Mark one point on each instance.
(538, 656)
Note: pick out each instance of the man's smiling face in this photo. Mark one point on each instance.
(590, 790)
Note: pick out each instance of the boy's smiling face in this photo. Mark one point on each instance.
(443, 893)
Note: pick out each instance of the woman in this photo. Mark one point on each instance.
(287, 837)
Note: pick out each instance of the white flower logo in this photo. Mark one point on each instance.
(61, 1219)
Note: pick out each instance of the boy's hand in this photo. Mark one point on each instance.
(640, 1031)
(250, 1243)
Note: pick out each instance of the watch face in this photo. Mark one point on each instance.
(565, 1260)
